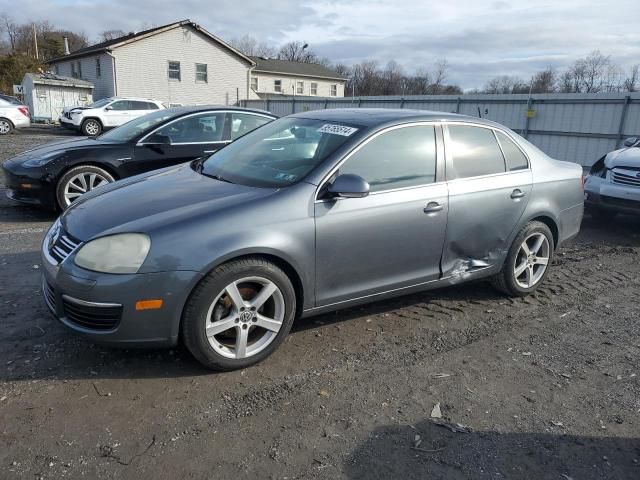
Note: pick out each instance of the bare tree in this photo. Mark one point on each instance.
(506, 84)
(250, 46)
(11, 29)
(439, 76)
(297, 52)
(107, 35)
(544, 81)
(631, 82)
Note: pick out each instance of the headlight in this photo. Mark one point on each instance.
(47, 157)
(123, 253)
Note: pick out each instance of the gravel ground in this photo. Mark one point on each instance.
(545, 387)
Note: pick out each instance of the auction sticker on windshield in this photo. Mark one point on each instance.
(337, 130)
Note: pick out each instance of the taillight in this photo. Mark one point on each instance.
(24, 111)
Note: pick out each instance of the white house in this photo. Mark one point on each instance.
(271, 77)
(46, 95)
(178, 64)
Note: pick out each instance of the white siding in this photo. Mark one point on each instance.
(266, 84)
(103, 85)
(141, 69)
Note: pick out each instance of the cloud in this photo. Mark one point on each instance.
(479, 39)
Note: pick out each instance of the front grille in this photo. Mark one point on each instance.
(626, 177)
(49, 295)
(93, 316)
(61, 245)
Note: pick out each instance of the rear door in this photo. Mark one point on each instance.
(138, 109)
(392, 238)
(487, 196)
(189, 137)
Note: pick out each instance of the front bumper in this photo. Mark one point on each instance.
(28, 185)
(101, 307)
(603, 194)
(67, 123)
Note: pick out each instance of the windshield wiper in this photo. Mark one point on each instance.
(215, 177)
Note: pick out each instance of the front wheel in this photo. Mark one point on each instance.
(239, 314)
(91, 127)
(78, 181)
(527, 262)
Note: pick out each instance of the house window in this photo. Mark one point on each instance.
(277, 86)
(174, 70)
(299, 88)
(334, 90)
(79, 69)
(98, 68)
(314, 88)
(56, 69)
(254, 84)
(201, 72)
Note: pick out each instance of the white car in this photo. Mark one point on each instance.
(13, 114)
(106, 113)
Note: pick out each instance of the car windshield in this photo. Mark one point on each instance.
(278, 154)
(100, 103)
(136, 127)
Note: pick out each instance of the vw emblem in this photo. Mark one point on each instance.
(246, 316)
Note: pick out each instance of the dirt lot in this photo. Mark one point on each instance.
(549, 385)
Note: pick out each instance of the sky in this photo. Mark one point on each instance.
(479, 39)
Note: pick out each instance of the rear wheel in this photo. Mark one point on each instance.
(78, 181)
(239, 314)
(6, 127)
(91, 127)
(527, 262)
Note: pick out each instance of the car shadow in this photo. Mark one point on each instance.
(427, 450)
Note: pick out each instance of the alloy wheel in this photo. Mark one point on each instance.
(532, 260)
(82, 183)
(245, 317)
(5, 127)
(92, 127)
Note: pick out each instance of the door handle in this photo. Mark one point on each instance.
(210, 151)
(517, 193)
(433, 207)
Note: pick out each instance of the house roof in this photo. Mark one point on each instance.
(285, 67)
(109, 45)
(51, 79)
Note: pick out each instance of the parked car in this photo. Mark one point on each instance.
(13, 114)
(311, 213)
(56, 174)
(106, 113)
(613, 183)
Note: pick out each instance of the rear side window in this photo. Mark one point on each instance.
(514, 157)
(134, 105)
(399, 158)
(475, 152)
(242, 123)
(152, 106)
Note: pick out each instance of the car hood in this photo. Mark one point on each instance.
(626, 157)
(61, 145)
(153, 200)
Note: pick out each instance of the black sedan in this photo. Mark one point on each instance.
(56, 174)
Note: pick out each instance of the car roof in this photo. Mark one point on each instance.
(136, 99)
(374, 117)
(200, 108)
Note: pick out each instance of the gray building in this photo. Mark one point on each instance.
(47, 95)
(273, 77)
(178, 64)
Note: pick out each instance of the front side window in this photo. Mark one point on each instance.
(98, 68)
(174, 70)
(243, 123)
(515, 159)
(201, 72)
(254, 84)
(277, 86)
(400, 158)
(314, 88)
(300, 88)
(279, 153)
(205, 128)
(474, 151)
(120, 105)
(334, 90)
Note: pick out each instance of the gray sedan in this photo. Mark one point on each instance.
(308, 214)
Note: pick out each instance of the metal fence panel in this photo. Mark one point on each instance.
(575, 127)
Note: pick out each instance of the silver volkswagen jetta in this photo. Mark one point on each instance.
(311, 213)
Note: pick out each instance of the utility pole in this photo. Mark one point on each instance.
(35, 40)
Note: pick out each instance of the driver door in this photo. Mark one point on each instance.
(117, 113)
(180, 141)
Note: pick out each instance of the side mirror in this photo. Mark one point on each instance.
(157, 139)
(108, 107)
(631, 141)
(349, 186)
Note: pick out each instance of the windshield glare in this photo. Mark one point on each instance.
(278, 154)
(136, 127)
(100, 103)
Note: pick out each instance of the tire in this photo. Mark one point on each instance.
(508, 280)
(211, 307)
(91, 127)
(67, 190)
(6, 127)
(601, 215)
